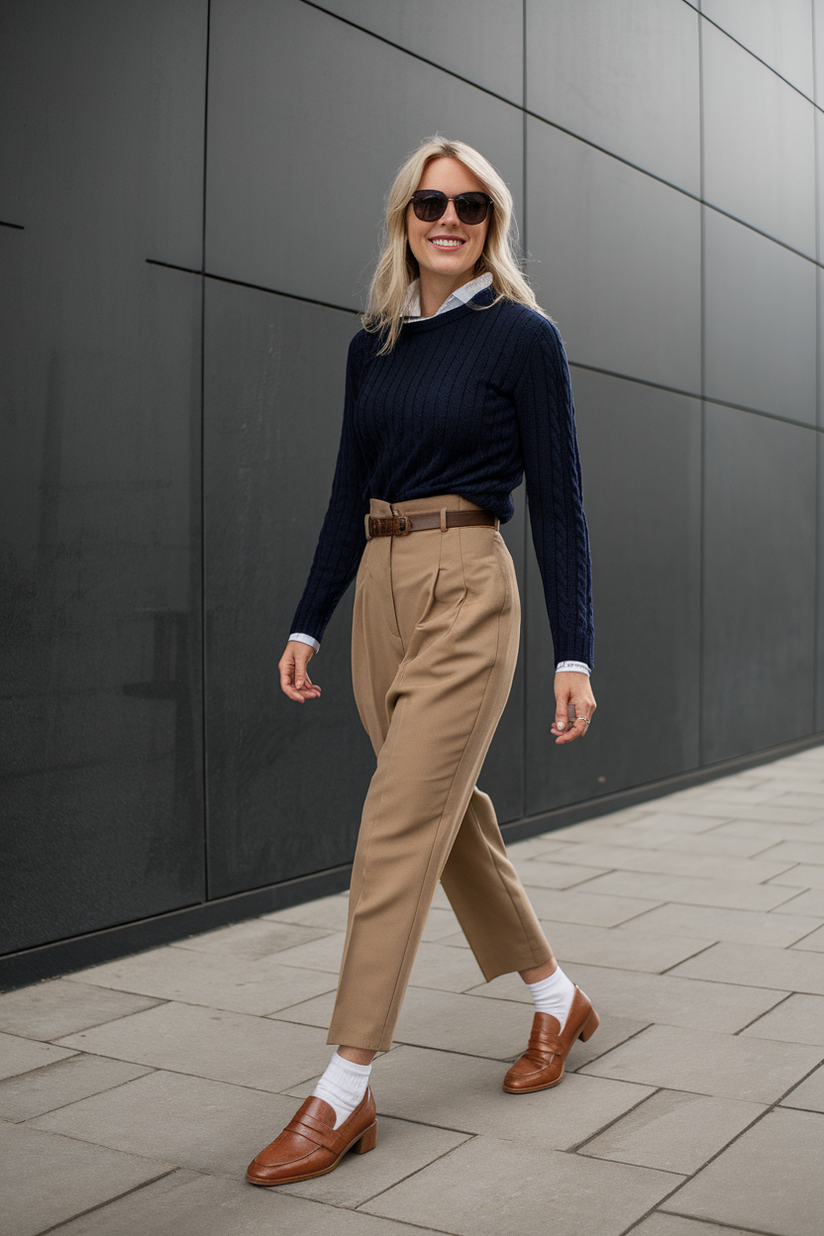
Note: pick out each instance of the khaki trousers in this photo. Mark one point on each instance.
(434, 644)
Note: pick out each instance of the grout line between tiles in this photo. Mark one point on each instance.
(55, 1227)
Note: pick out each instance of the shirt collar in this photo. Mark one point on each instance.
(461, 296)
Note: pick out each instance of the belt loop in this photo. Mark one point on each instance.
(443, 519)
(367, 527)
(497, 523)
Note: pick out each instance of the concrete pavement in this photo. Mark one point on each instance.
(133, 1094)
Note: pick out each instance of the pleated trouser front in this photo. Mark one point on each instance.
(434, 645)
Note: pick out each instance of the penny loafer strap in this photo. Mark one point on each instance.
(546, 1045)
(316, 1131)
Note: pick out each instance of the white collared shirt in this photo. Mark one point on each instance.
(412, 309)
(461, 296)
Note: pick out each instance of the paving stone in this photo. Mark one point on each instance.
(726, 1066)
(537, 873)
(757, 966)
(490, 1186)
(680, 821)
(769, 813)
(611, 1032)
(632, 948)
(317, 1012)
(440, 923)
(740, 796)
(805, 875)
(742, 1187)
(813, 943)
(692, 890)
(809, 1095)
(809, 902)
(193, 1122)
(667, 862)
(65, 1081)
(253, 939)
(466, 1093)
(403, 1148)
(46, 1179)
(797, 1020)
(549, 904)
(219, 980)
(452, 1091)
(328, 913)
(51, 1009)
(574, 905)
(445, 968)
(796, 852)
(18, 1055)
(716, 923)
(674, 1131)
(660, 1224)
(773, 833)
(697, 1005)
(192, 1205)
(324, 954)
(495, 1028)
(805, 798)
(232, 1047)
(533, 846)
(712, 843)
(612, 1029)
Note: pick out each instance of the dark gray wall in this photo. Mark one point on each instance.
(190, 203)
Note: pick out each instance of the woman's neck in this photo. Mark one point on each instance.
(434, 289)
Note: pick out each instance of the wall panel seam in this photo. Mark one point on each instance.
(676, 390)
(204, 767)
(560, 128)
(702, 522)
(754, 55)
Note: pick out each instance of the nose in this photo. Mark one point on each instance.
(450, 215)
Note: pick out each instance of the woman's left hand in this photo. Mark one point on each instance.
(573, 698)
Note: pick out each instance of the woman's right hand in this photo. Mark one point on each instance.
(294, 680)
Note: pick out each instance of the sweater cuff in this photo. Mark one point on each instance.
(574, 667)
(305, 639)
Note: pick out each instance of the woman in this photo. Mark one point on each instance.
(457, 386)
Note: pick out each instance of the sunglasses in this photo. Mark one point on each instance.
(430, 204)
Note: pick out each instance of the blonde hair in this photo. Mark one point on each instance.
(397, 267)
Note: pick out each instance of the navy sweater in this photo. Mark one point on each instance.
(466, 403)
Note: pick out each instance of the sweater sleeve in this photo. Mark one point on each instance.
(546, 419)
(342, 536)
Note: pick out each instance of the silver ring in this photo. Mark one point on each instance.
(584, 719)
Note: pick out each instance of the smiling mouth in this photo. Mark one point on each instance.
(447, 242)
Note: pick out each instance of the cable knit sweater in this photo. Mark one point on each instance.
(466, 403)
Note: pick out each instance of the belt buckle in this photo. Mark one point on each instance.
(404, 525)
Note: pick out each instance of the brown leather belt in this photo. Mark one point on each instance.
(402, 525)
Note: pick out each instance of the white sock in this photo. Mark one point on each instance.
(343, 1085)
(553, 995)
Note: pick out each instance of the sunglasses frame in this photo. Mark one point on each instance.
(429, 195)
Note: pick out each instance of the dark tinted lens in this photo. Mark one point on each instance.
(429, 204)
(472, 207)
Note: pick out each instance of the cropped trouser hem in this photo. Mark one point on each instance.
(434, 644)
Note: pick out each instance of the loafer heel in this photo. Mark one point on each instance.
(589, 1027)
(369, 1140)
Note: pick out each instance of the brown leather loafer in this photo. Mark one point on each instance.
(309, 1146)
(542, 1064)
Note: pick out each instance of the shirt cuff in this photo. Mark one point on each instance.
(305, 639)
(574, 667)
